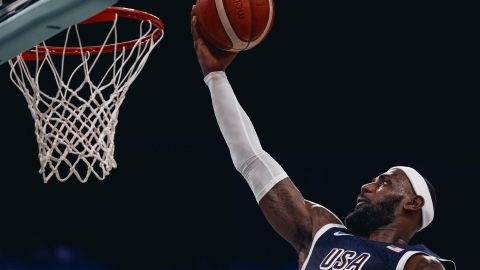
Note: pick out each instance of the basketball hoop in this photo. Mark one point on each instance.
(75, 124)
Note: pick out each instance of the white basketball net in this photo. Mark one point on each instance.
(75, 124)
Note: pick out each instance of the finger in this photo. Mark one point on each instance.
(194, 28)
(196, 33)
(192, 13)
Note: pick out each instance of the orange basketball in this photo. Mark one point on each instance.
(234, 25)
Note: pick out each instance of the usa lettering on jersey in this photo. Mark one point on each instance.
(340, 259)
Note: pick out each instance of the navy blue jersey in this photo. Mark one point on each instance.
(335, 247)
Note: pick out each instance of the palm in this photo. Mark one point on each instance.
(212, 59)
(209, 57)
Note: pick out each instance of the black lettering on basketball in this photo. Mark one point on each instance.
(239, 9)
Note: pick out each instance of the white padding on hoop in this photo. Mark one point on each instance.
(32, 22)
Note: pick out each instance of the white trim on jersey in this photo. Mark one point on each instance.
(403, 260)
(317, 236)
(453, 263)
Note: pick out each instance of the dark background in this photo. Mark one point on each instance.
(338, 93)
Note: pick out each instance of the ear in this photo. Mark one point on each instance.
(415, 203)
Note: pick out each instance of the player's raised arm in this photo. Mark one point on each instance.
(280, 201)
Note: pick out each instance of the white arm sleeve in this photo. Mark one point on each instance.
(258, 168)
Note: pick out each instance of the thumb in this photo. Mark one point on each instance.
(194, 25)
(194, 28)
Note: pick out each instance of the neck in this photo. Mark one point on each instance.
(392, 233)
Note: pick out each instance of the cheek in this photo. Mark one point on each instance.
(387, 191)
(382, 195)
(383, 191)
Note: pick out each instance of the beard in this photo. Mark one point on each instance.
(363, 220)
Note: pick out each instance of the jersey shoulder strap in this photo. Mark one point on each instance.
(421, 249)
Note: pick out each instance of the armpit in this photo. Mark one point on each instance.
(321, 216)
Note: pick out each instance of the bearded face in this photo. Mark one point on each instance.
(369, 216)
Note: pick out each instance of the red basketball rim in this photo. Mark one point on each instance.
(108, 15)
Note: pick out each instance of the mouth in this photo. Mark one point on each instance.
(361, 201)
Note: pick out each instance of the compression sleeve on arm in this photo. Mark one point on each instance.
(258, 168)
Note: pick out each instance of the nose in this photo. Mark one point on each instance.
(368, 188)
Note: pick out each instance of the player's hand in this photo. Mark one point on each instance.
(209, 57)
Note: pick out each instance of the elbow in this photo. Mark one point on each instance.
(244, 165)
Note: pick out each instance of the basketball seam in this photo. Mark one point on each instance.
(223, 27)
(269, 25)
(235, 30)
(227, 24)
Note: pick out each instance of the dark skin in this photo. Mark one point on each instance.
(298, 220)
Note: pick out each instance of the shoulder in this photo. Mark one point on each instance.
(423, 262)
(320, 216)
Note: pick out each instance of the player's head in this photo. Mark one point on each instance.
(400, 194)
